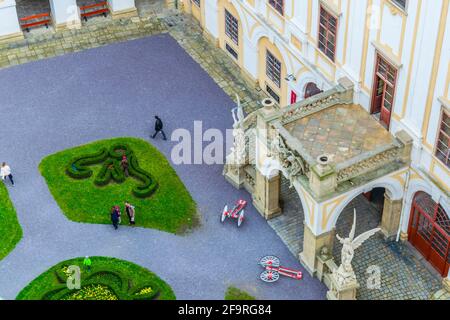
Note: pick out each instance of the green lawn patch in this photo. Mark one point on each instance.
(108, 279)
(234, 293)
(10, 230)
(161, 200)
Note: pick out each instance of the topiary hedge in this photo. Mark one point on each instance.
(108, 279)
(111, 169)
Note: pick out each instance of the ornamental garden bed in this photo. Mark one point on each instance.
(10, 230)
(86, 181)
(107, 279)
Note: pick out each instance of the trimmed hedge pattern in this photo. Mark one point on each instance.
(112, 170)
(108, 279)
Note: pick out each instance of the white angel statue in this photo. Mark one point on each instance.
(345, 274)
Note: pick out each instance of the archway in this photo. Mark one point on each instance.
(272, 71)
(92, 8)
(429, 231)
(368, 216)
(311, 89)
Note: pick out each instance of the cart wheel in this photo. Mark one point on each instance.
(224, 214)
(270, 261)
(269, 276)
(241, 217)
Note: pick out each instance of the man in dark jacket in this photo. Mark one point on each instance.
(115, 217)
(159, 128)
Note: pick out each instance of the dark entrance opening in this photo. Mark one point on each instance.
(33, 14)
(311, 90)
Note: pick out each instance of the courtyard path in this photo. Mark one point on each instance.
(114, 91)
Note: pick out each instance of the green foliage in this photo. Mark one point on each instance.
(234, 293)
(108, 279)
(170, 207)
(10, 230)
(112, 170)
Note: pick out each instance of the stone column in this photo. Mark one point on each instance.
(266, 198)
(9, 22)
(312, 246)
(65, 14)
(390, 220)
(267, 184)
(122, 9)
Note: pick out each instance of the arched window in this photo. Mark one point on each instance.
(429, 231)
(311, 90)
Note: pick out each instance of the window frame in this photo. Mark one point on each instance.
(322, 8)
(446, 161)
(275, 4)
(275, 80)
(231, 34)
(400, 6)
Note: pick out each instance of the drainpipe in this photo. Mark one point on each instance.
(408, 174)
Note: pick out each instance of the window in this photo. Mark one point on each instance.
(327, 33)
(443, 142)
(272, 94)
(231, 51)
(278, 5)
(273, 68)
(197, 2)
(231, 27)
(400, 3)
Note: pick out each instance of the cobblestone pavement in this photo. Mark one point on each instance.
(44, 43)
(403, 274)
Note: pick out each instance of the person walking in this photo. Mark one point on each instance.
(130, 212)
(115, 217)
(159, 128)
(5, 171)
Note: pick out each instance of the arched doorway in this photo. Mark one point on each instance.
(311, 89)
(429, 231)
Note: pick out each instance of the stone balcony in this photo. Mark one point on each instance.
(338, 144)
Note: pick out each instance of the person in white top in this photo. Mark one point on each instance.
(5, 171)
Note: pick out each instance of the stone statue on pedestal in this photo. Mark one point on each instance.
(238, 149)
(345, 275)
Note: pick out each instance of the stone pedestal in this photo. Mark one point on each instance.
(403, 236)
(312, 246)
(9, 22)
(234, 174)
(342, 292)
(65, 14)
(122, 9)
(390, 220)
(323, 178)
(266, 198)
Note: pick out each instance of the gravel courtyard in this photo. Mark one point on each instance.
(115, 91)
